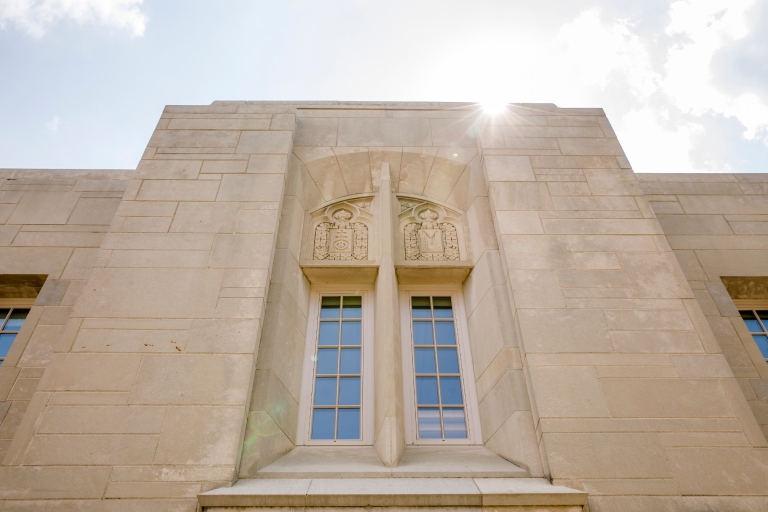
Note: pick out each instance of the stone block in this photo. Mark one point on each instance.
(606, 455)
(240, 307)
(143, 490)
(91, 450)
(694, 225)
(454, 132)
(41, 345)
(530, 143)
(568, 188)
(203, 441)
(509, 168)
(163, 259)
(102, 420)
(62, 482)
(594, 203)
(224, 336)
(224, 166)
(178, 190)
(205, 218)
(44, 208)
(536, 289)
(94, 211)
(130, 340)
(536, 252)
(194, 138)
(567, 391)
(648, 320)
(592, 278)
(251, 187)
(520, 196)
(220, 124)
(719, 471)
(169, 169)
(159, 242)
(564, 331)
(519, 223)
(199, 379)
(721, 298)
(589, 146)
(574, 162)
(596, 260)
(150, 293)
(91, 372)
(144, 225)
(384, 132)
(612, 243)
(272, 142)
(666, 207)
(146, 209)
(724, 204)
(666, 398)
(318, 131)
(264, 443)
(601, 226)
(655, 275)
(242, 251)
(690, 265)
(267, 164)
(651, 342)
(507, 396)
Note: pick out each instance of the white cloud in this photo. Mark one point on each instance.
(662, 105)
(53, 124)
(36, 16)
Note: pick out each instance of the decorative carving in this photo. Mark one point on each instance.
(341, 239)
(431, 240)
(365, 205)
(405, 206)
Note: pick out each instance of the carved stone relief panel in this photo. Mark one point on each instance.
(341, 230)
(430, 232)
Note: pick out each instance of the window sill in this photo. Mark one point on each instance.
(395, 492)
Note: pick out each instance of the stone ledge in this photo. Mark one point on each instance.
(393, 492)
(417, 461)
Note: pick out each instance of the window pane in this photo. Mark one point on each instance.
(327, 360)
(349, 424)
(349, 391)
(329, 333)
(450, 391)
(448, 360)
(325, 391)
(751, 320)
(422, 333)
(429, 423)
(323, 423)
(443, 307)
(5, 343)
(426, 390)
(425, 360)
(762, 343)
(353, 307)
(420, 307)
(764, 317)
(350, 360)
(16, 319)
(3, 314)
(453, 423)
(329, 307)
(445, 333)
(351, 333)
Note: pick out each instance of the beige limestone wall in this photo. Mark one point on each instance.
(146, 394)
(631, 396)
(53, 222)
(717, 225)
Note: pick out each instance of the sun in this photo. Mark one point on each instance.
(494, 107)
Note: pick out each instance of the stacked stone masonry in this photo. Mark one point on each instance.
(163, 356)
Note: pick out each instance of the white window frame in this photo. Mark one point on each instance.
(13, 304)
(474, 435)
(304, 433)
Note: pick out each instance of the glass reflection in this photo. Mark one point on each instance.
(323, 423)
(445, 333)
(349, 424)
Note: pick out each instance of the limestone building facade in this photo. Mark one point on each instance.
(339, 305)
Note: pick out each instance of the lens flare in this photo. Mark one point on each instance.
(494, 107)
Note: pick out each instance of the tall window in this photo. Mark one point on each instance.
(337, 356)
(12, 320)
(757, 323)
(436, 367)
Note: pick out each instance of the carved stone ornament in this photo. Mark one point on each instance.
(434, 238)
(341, 238)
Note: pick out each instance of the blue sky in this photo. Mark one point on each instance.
(684, 82)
